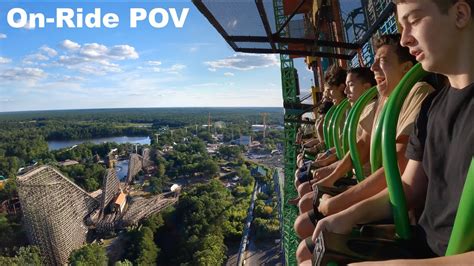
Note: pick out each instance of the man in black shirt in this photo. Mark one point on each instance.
(440, 33)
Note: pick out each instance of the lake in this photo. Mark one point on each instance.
(60, 144)
(122, 169)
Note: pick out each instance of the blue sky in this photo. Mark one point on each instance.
(50, 68)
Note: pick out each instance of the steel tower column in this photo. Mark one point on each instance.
(289, 90)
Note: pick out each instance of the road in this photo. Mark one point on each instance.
(268, 252)
(271, 161)
(233, 255)
(245, 236)
(259, 253)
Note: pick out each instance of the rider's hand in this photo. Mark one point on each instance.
(340, 223)
(324, 204)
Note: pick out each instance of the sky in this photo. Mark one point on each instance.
(80, 68)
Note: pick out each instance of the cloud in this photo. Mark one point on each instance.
(99, 70)
(174, 69)
(122, 52)
(93, 50)
(4, 60)
(67, 78)
(94, 58)
(3, 36)
(100, 51)
(88, 66)
(70, 45)
(44, 53)
(244, 62)
(20, 73)
(177, 67)
(33, 59)
(212, 69)
(71, 60)
(229, 74)
(154, 63)
(49, 51)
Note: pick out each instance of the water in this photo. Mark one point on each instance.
(60, 144)
(122, 169)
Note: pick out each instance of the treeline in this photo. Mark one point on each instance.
(174, 117)
(58, 131)
(68, 129)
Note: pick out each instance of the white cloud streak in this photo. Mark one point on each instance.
(20, 73)
(70, 45)
(174, 69)
(4, 60)
(94, 58)
(154, 63)
(244, 62)
(48, 51)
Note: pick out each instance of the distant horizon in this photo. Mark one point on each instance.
(135, 108)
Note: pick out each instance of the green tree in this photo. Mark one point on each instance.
(9, 190)
(91, 254)
(161, 170)
(263, 211)
(123, 263)
(262, 196)
(266, 228)
(29, 255)
(209, 167)
(154, 222)
(8, 261)
(156, 185)
(244, 174)
(229, 152)
(206, 136)
(91, 184)
(6, 231)
(148, 250)
(11, 232)
(211, 251)
(243, 171)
